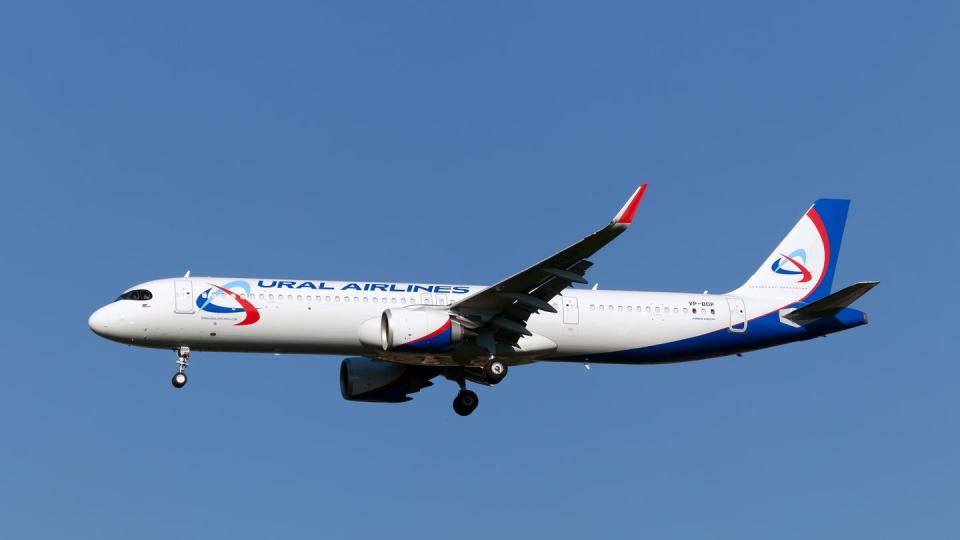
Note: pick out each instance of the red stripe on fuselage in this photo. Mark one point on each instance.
(252, 314)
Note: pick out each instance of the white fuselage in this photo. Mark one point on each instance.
(325, 317)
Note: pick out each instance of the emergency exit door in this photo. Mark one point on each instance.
(571, 312)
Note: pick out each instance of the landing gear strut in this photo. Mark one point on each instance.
(183, 358)
(466, 401)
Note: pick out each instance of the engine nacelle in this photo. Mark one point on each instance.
(418, 331)
(364, 379)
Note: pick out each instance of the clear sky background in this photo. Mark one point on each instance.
(459, 142)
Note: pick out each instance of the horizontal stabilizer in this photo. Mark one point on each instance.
(831, 304)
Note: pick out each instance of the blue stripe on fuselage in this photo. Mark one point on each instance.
(765, 331)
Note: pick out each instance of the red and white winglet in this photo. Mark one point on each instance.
(625, 215)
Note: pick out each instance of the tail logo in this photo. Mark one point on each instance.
(793, 264)
(213, 299)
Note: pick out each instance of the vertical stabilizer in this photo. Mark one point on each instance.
(803, 265)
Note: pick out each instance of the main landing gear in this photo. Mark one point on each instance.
(494, 371)
(180, 377)
(466, 401)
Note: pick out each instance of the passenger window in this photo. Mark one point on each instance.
(713, 311)
(271, 298)
(299, 298)
(393, 301)
(601, 307)
(648, 309)
(619, 308)
(694, 311)
(675, 311)
(374, 299)
(658, 309)
(593, 307)
(365, 299)
(336, 299)
(629, 309)
(684, 310)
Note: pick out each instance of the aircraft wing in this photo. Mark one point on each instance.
(507, 305)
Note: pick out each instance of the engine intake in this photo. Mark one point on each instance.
(418, 331)
(364, 379)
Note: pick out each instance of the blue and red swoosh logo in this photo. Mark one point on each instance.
(212, 300)
(793, 264)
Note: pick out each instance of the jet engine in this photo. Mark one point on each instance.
(418, 331)
(364, 379)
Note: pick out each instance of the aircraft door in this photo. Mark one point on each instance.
(183, 294)
(571, 311)
(738, 314)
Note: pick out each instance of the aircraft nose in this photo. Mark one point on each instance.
(99, 322)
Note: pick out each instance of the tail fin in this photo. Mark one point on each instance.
(802, 266)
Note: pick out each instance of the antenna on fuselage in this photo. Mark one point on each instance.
(595, 285)
(187, 274)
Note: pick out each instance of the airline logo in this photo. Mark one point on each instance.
(225, 299)
(794, 264)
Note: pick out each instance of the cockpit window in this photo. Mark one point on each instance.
(136, 294)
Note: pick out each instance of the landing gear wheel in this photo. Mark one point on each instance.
(183, 360)
(465, 402)
(495, 371)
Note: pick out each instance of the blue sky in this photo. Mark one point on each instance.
(459, 142)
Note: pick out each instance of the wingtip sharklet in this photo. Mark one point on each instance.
(625, 215)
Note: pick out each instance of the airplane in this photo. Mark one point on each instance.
(400, 336)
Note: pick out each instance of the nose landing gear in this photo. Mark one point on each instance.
(183, 359)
